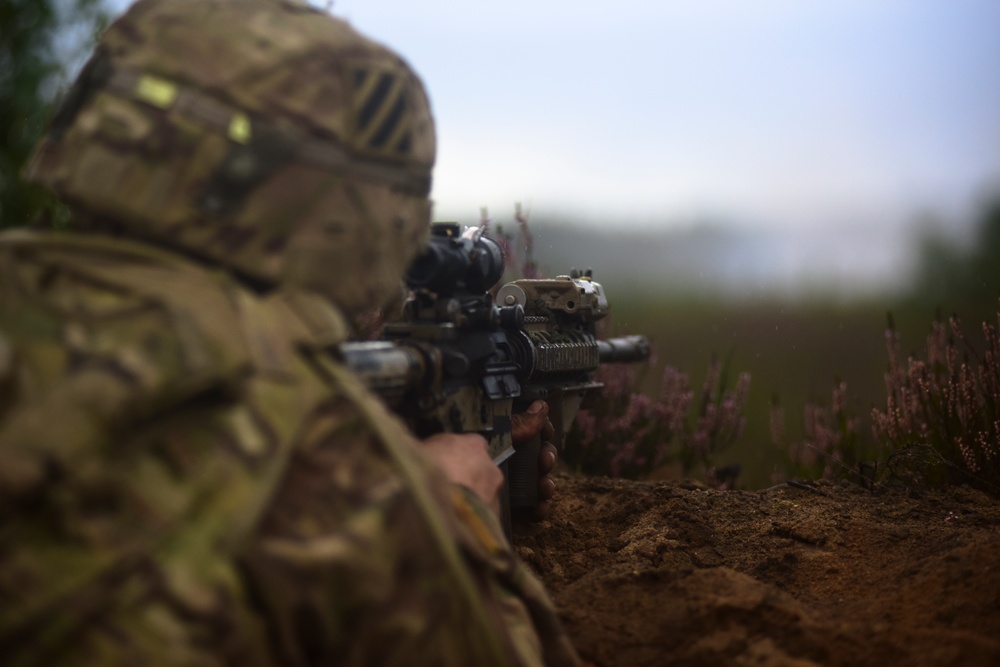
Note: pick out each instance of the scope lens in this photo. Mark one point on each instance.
(452, 266)
(491, 263)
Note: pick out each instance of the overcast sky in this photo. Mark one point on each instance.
(783, 112)
(774, 112)
(770, 114)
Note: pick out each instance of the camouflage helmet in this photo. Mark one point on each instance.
(262, 135)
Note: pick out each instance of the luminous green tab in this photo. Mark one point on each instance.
(158, 92)
(239, 128)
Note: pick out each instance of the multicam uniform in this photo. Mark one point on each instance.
(189, 477)
(187, 474)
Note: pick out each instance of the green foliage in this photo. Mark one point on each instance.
(963, 278)
(41, 39)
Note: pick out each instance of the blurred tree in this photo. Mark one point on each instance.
(962, 277)
(41, 41)
(937, 269)
(983, 269)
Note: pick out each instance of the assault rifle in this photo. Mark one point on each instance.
(463, 361)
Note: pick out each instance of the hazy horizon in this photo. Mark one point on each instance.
(772, 114)
(840, 126)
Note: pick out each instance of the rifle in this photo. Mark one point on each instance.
(464, 361)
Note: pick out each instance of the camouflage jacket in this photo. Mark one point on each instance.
(188, 476)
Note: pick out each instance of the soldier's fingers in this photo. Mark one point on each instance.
(548, 431)
(547, 458)
(464, 460)
(533, 421)
(546, 488)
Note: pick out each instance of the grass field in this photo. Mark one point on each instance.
(794, 351)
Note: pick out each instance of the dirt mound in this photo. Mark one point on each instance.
(660, 573)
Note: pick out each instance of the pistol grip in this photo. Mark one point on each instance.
(522, 471)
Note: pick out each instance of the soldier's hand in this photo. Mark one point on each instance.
(526, 425)
(466, 461)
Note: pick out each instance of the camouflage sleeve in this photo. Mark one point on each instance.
(350, 569)
(531, 617)
(362, 555)
(6, 375)
(93, 349)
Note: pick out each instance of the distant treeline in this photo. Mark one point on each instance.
(958, 277)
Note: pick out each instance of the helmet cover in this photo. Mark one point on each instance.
(262, 135)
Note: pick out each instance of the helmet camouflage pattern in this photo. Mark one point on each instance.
(262, 135)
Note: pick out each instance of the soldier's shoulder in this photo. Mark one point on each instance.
(41, 261)
(152, 316)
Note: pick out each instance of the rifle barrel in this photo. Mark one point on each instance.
(626, 349)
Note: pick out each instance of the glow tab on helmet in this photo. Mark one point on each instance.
(156, 91)
(239, 128)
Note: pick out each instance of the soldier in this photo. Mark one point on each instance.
(187, 474)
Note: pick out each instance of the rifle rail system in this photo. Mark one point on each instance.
(464, 361)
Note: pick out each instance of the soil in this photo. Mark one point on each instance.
(827, 573)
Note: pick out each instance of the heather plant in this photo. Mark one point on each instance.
(830, 446)
(625, 433)
(717, 424)
(941, 421)
(519, 250)
(629, 434)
